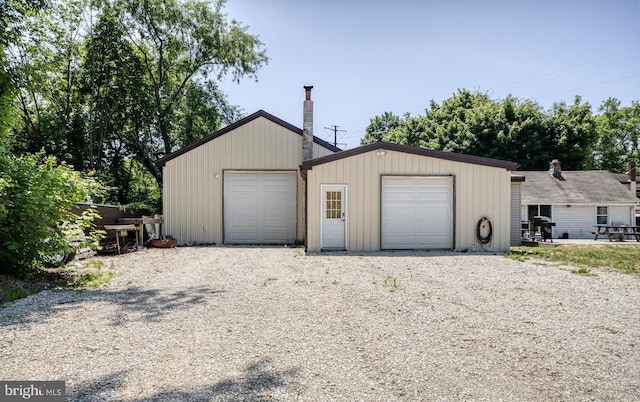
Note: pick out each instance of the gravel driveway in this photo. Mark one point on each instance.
(224, 323)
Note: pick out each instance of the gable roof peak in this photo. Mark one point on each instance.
(260, 113)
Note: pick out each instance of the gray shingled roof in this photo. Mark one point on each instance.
(579, 187)
(621, 177)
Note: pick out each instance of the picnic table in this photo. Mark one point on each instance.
(617, 231)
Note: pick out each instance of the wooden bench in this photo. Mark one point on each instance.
(619, 233)
(631, 234)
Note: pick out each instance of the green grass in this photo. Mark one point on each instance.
(623, 258)
(91, 275)
(583, 271)
(11, 293)
(92, 279)
(391, 282)
(269, 280)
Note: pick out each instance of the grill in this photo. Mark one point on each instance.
(543, 225)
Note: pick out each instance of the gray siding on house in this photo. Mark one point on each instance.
(621, 214)
(516, 233)
(577, 221)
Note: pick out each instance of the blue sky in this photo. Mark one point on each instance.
(367, 57)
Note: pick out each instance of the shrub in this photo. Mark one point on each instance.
(36, 223)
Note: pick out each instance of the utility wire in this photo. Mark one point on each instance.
(336, 130)
(565, 70)
(590, 85)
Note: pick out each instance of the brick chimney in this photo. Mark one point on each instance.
(555, 169)
(307, 125)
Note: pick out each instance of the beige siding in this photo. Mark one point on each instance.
(319, 151)
(478, 191)
(192, 193)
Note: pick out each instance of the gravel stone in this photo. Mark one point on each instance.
(261, 323)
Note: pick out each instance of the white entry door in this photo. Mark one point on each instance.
(333, 217)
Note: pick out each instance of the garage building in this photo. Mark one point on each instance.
(240, 185)
(392, 197)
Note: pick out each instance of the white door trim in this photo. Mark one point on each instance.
(345, 216)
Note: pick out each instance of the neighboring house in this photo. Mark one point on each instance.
(262, 180)
(576, 201)
(387, 196)
(239, 185)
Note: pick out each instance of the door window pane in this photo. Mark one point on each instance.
(334, 205)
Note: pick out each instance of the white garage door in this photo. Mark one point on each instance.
(259, 207)
(417, 212)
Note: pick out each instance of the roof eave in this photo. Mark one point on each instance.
(451, 156)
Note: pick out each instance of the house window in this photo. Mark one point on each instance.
(538, 210)
(602, 215)
(334, 205)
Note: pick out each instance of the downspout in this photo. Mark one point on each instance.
(303, 174)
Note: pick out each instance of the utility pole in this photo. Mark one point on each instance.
(335, 130)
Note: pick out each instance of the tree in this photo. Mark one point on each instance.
(12, 13)
(36, 193)
(527, 139)
(509, 129)
(573, 134)
(182, 44)
(632, 131)
(610, 125)
(618, 135)
(45, 64)
(110, 86)
(117, 105)
(379, 126)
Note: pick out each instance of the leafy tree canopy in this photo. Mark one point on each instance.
(111, 86)
(520, 130)
(380, 126)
